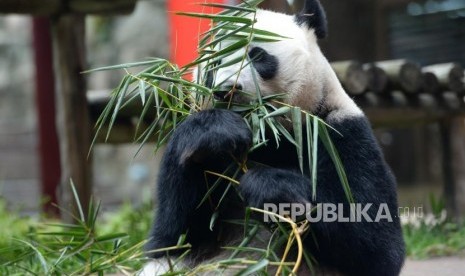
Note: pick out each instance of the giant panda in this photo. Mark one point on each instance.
(210, 139)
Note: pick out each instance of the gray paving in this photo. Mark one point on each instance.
(444, 266)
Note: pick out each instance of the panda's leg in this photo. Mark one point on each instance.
(204, 141)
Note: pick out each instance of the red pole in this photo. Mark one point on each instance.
(185, 31)
(49, 155)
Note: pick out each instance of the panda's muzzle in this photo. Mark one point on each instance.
(225, 93)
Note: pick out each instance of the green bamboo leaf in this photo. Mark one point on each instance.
(254, 268)
(212, 189)
(180, 81)
(228, 7)
(150, 130)
(250, 3)
(272, 124)
(142, 91)
(109, 237)
(39, 255)
(330, 148)
(120, 95)
(314, 156)
(255, 127)
(224, 37)
(257, 32)
(286, 134)
(65, 234)
(126, 65)
(213, 220)
(215, 30)
(221, 54)
(279, 112)
(262, 128)
(144, 112)
(297, 127)
(223, 196)
(65, 225)
(78, 202)
(259, 39)
(223, 65)
(218, 18)
(93, 213)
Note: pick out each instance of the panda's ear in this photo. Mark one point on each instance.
(314, 17)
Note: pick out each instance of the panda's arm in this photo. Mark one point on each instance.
(262, 185)
(204, 141)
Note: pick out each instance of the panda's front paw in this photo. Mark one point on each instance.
(216, 135)
(263, 185)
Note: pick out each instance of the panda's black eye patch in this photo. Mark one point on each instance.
(265, 63)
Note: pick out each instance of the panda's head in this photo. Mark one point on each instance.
(293, 66)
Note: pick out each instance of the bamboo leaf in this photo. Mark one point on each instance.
(254, 268)
(228, 7)
(109, 237)
(126, 65)
(142, 91)
(143, 113)
(224, 37)
(279, 112)
(257, 32)
(218, 18)
(314, 157)
(120, 95)
(297, 127)
(213, 220)
(78, 202)
(328, 143)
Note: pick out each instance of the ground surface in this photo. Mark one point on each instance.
(445, 266)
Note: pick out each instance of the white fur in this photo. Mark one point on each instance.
(155, 267)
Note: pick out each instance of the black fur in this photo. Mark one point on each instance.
(213, 139)
(314, 17)
(361, 248)
(265, 63)
(207, 139)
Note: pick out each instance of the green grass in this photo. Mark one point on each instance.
(113, 242)
(425, 241)
(97, 244)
